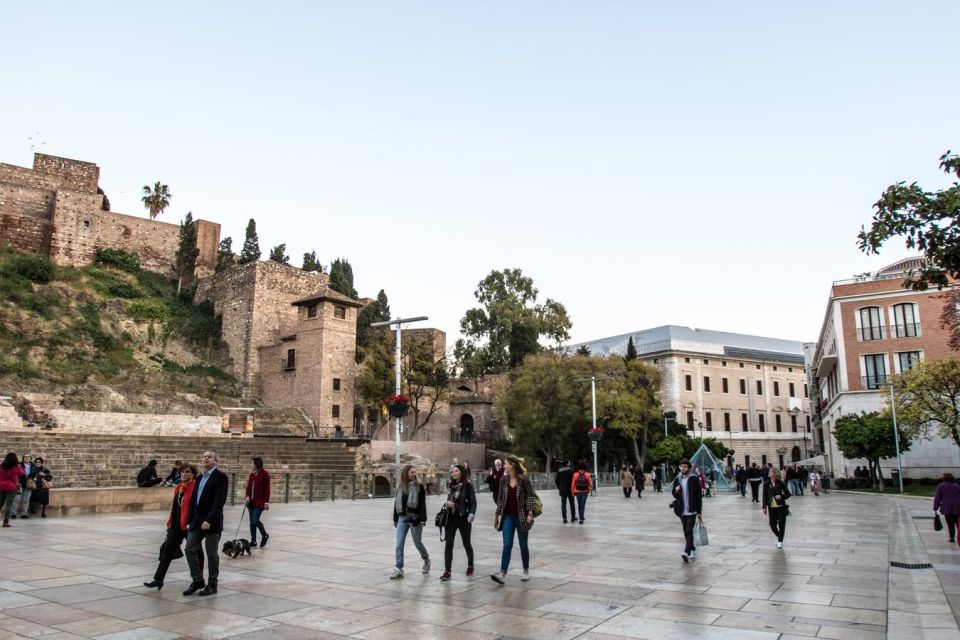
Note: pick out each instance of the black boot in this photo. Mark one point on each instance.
(195, 586)
(208, 590)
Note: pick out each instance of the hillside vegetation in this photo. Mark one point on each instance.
(110, 337)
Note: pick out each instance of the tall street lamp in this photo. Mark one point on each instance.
(398, 427)
(595, 434)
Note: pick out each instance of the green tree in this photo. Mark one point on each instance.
(279, 254)
(376, 311)
(928, 397)
(225, 255)
(251, 244)
(870, 436)
(628, 401)
(498, 333)
(928, 221)
(185, 260)
(671, 449)
(341, 277)
(631, 350)
(583, 350)
(156, 199)
(310, 262)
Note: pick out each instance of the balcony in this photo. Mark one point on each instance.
(908, 330)
(873, 382)
(866, 334)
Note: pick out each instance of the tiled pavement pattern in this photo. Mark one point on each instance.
(324, 575)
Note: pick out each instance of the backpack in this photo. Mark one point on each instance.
(581, 483)
(537, 505)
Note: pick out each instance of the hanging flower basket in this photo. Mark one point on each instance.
(596, 434)
(398, 406)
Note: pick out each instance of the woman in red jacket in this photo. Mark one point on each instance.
(258, 500)
(176, 525)
(10, 472)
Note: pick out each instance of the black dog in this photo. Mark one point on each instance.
(234, 548)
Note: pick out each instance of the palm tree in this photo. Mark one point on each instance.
(156, 199)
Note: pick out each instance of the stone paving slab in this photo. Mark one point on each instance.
(325, 574)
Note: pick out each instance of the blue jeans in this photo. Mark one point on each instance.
(255, 524)
(582, 504)
(509, 526)
(404, 525)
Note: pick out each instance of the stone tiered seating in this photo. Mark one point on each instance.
(281, 422)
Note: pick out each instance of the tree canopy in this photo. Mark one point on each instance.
(508, 324)
(156, 199)
(225, 254)
(279, 254)
(376, 311)
(185, 260)
(341, 277)
(928, 397)
(870, 436)
(310, 262)
(251, 244)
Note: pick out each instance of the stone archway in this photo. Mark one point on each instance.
(466, 428)
(381, 487)
(795, 454)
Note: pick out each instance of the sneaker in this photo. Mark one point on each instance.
(445, 576)
(564, 521)
(397, 573)
(685, 557)
(779, 545)
(263, 542)
(470, 570)
(581, 522)
(499, 577)
(525, 577)
(693, 555)
(426, 566)
(25, 517)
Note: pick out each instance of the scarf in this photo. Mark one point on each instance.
(453, 492)
(413, 497)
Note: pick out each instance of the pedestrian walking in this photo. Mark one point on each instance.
(775, 495)
(409, 515)
(563, 479)
(792, 481)
(639, 480)
(493, 479)
(658, 479)
(206, 526)
(741, 475)
(42, 482)
(258, 500)
(802, 475)
(755, 477)
(626, 480)
(688, 506)
(21, 504)
(815, 482)
(580, 487)
(461, 510)
(177, 525)
(515, 516)
(946, 499)
(10, 473)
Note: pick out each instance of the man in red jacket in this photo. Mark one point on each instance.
(258, 500)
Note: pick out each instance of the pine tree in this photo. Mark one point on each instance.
(278, 254)
(185, 261)
(631, 350)
(251, 245)
(310, 262)
(376, 311)
(341, 277)
(225, 255)
(583, 350)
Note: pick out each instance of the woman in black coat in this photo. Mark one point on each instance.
(775, 496)
(461, 509)
(42, 477)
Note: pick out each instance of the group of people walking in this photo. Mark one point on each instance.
(24, 487)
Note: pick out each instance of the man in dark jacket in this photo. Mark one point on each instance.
(741, 476)
(206, 525)
(563, 480)
(688, 505)
(147, 477)
(754, 477)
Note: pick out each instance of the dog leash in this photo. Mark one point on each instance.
(240, 522)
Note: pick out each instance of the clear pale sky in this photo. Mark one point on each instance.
(646, 163)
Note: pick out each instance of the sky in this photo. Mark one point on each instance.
(706, 164)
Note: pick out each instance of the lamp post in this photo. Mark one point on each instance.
(663, 465)
(594, 433)
(398, 427)
(896, 436)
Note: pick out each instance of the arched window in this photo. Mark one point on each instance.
(795, 454)
(466, 428)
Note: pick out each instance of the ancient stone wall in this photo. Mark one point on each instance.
(74, 175)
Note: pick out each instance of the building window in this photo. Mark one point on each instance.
(723, 363)
(763, 459)
(776, 388)
(871, 324)
(743, 387)
(336, 384)
(793, 393)
(761, 422)
(291, 359)
(778, 423)
(706, 384)
(705, 361)
(808, 424)
(687, 360)
(908, 360)
(875, 366)
(725, 384)
(789, 369)
(774, 367)
(86, 224)
(336, 411)
(759, 387)
(793, 422)
(905, 323)
(690, 420)
(806, 393)
(656, 360)
(312, 311)
(340, 313)
(744, 422)
(757, 366)
(688, 382)
(746, 461)
(741, 365)
(726, 422)
(709, 420)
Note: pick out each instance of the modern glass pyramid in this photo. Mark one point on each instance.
(704, 459)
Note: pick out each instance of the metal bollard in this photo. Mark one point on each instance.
(286, 488)
(233, 489)
(353, 486)
(310, 494)
(333, 487)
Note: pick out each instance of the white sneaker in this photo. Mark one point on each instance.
(426, 566)
(397, 573)
(526, 576)
(779, 545)
(685, 557)
(693, 554)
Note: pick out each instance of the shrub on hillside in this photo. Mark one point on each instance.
(34, 268)
(149, 311)
(124, 260)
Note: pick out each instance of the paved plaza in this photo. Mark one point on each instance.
(325, 574)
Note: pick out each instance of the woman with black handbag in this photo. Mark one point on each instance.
(775, 496)
(409, 515)
(461, 507)
(947, 501)
(43, 481)
(176, 526)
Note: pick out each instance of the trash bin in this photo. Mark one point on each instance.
(895, 477)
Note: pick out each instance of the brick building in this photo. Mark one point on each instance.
(56, 209)
(749, 392)
(874, 328)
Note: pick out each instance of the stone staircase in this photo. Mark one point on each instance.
(282, 422)
(36, 408)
